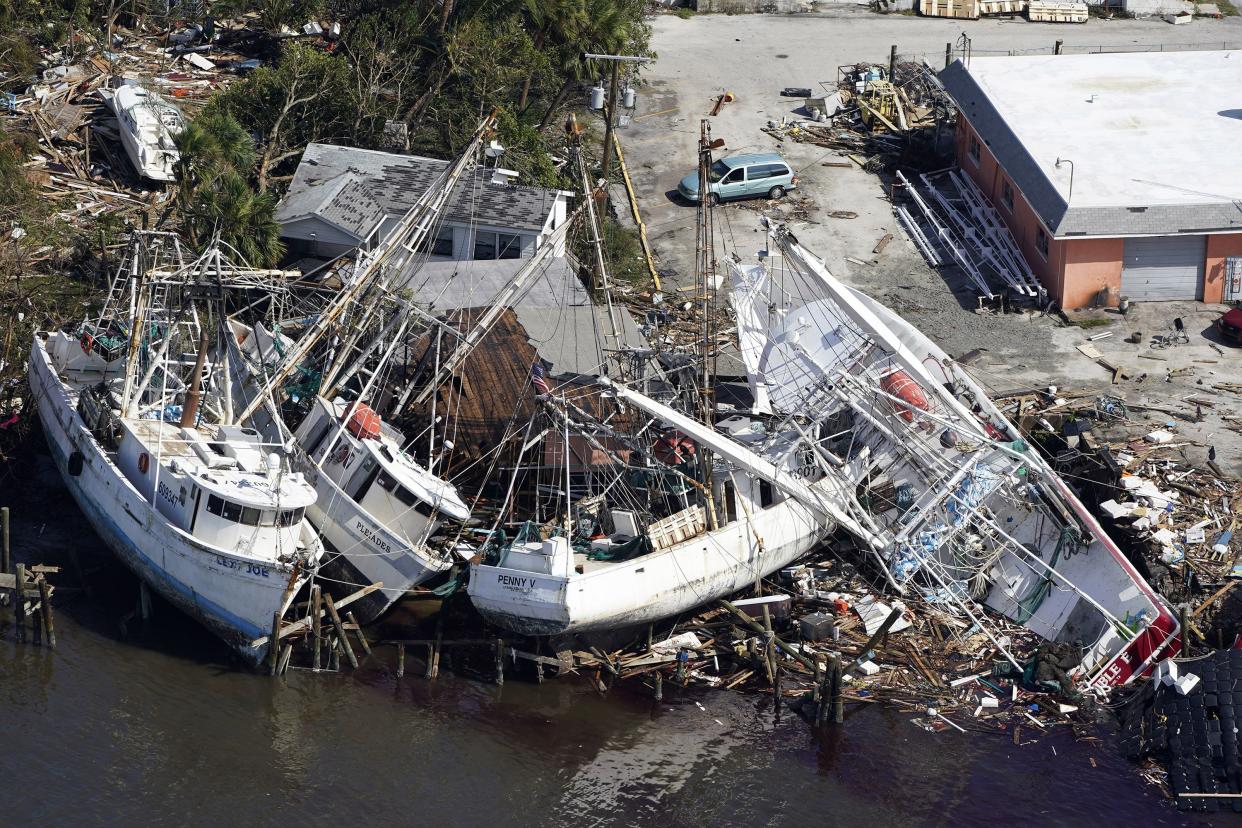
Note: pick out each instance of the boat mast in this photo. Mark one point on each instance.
(704, 271)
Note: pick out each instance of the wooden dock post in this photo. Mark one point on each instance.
(273, 645)
(341, 640)
(500, 662)
(433, 659)
(19, 602)
(316, 627)
(838, 701)
(659, 686)
(400, 660)
(45, 598)
(6, 561)
(362, 637)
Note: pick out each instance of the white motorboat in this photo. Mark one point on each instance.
(149, 126)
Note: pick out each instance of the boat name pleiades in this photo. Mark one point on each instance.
(371, 535)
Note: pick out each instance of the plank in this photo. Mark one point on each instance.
(304, 623)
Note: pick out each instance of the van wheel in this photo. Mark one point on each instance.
(713, 199)
(776, 192)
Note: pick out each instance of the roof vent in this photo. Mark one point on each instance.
(503, 176)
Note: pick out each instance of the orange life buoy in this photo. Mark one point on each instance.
(899, 384)
(87, 342)
(144, 462)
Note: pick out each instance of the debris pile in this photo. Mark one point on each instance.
(821, 638)
(879, 122)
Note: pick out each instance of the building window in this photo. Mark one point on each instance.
(1007, 195)
(510, 246)
(1041, 242)
(443, 245)
(974, 148)
(484, 245)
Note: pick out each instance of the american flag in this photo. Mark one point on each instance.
(539, 378)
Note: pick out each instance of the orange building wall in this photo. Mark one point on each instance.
(1218, 249)
(1076, 269)
(1091, 265)
(1022, 222)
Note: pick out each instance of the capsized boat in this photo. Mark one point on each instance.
(201, 510)
(149, 126)
(955, 504)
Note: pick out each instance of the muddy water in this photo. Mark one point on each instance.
(155, 725)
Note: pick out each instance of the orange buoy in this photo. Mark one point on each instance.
(900, 385)
(364, 423)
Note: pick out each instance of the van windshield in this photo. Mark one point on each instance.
(717, 171)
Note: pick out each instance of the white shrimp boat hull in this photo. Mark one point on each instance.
(653, 586)
(364, 551)
(230, 595)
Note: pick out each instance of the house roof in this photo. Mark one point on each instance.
(397, 181)
(1146, 134)
(471, 283)
(343, 200)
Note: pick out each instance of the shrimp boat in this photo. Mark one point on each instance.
(952, 502)
(149, 126)
(762, 510)
(200, 508)
(703, 510)
(378, 508)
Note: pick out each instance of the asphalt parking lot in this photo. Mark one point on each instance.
(755, 56)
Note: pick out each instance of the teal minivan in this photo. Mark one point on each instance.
(742, 176)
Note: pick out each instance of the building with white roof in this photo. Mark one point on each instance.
(1117, 174)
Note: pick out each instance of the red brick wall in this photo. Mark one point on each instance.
(1218, 249)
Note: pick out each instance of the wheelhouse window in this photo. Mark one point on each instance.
(1041, 242)
(1007, 195)
(974, 148)
(289, 517)
(389, 484)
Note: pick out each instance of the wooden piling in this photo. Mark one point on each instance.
(362, 637)
(6, 560)
(273, 645)
(838, 701)
(1185, 624)
(316, 625)
(19, 602)
(286, 654)
(45, 597)
(500, 662)
(659, 686)
(400, 660)
(342, 641)
(334, 654)
(433, 659)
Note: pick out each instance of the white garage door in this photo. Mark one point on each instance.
(1163, 267)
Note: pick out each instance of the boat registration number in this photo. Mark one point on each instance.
(249, 568)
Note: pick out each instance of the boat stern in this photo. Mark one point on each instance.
(529, 603)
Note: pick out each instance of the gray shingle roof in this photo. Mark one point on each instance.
(344, 200)
(1140, 219)
(397, 181)
(473, 283)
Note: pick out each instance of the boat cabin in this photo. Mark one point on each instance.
(364, 458)
(225, 490)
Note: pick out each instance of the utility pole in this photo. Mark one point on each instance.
(611, 111)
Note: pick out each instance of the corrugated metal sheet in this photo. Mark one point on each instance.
(1163, 267)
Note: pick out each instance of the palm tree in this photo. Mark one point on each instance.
(555, 20)
(604, 27)
(241, 217)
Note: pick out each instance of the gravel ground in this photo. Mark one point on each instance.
(755, 56)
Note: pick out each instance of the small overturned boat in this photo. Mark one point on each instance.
(149, 126)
